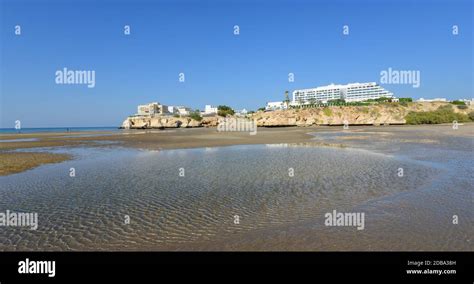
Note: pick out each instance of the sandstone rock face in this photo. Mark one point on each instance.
(194, 123)
(126, 124)
(210, 121)
(185, 123)
(155, 123)
(159, 122)
(337, 115)
(170, 122)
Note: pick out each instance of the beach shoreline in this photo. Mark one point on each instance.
(353, 170)
(199, 138)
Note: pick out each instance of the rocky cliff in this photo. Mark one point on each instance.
(160, 122)
(388, 113)
(385, 113)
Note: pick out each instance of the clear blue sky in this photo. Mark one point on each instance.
(196, 37)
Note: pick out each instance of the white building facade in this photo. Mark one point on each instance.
(242, 112)
(208, 109)
(432, 100)
(182, 110)
(275, 105)
(152, 109)
(172, 109)
(353, 92)
(468, 102)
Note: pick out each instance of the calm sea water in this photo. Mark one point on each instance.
(55, 129)
(188, 199)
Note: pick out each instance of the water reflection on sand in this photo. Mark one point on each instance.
(195, 210)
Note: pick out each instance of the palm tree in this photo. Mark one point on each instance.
(301, 102)
(287, 99)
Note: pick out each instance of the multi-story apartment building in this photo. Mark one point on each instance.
(152, 109)
(354, 92)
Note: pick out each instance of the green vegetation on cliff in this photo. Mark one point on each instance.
(327, 111)
(444, 114)
(224, 110)
(459, 103)
(195, 115)
(471, 115)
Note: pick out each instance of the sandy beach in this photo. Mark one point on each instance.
(136, 173)
(13, 162)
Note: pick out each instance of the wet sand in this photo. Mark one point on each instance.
(210, 137)
(11, 163)
(353, 170)
(160, 139)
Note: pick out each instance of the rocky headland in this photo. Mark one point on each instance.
(377, 114)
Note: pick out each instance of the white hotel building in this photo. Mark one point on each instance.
(208, 109)
(353, 92)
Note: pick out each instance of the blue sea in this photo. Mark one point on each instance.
(56, 129)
